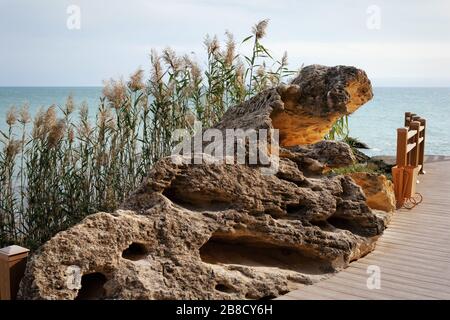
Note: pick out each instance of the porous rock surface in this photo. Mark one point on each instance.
(227, 231)
(379, 191)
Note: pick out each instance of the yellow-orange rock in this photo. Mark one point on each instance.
(305, 110)
(379, 191)
(318, 97)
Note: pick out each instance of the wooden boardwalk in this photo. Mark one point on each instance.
(413, 254)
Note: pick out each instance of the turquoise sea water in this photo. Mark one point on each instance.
(374, 123)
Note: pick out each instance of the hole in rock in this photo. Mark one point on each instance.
(92, 287)
(224, 288)
(323, 225)
(297, 209)
(257, 252)
(182, 195)
(354, 227)
(136, 251)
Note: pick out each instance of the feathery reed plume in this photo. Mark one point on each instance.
(11, 117)
(157, 73)
(259, 30)
(69, 107)
(212, 45)
(84, 111)
(230, 49)
(261, 71)
(49, 119)
(170, 57)
(24, 115)
(104, 116)
(194, 69)
(115, 92)
(136, 82)
(56, 133)
(38, 124)
(84, 128)
(13, 148)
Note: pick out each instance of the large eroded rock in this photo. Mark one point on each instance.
(221, 231)
(209, 232)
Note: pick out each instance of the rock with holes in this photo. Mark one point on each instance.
(228, 231)
(210, 232)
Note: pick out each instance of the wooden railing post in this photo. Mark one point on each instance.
(415, 125)
(410, 159)
(402, 142)
(407, 118)
(423, 123)
(13, 260)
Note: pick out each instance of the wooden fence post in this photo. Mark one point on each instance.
(415, 125)
(402, 142)
(13, 260)
(415, 118)
(423, 123)
(407, 118)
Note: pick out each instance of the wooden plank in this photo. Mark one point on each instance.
(436, 251)
(326, 292)
(400, 229)
(388, 249)
(428, 238)
(408, 291)
(411, 133)
(411, 239)
(409, 257)
(408, 280)
(398, 271)
(407, 261)
(344, 287)
(410, 146)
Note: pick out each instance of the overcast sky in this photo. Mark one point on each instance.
(401, 43)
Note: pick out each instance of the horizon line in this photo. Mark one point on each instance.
(99, 86)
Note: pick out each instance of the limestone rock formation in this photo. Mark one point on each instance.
(227, 231)
(305, 110)
(378, 190)
(209, 232)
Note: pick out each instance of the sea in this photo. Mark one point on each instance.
(374, 123)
